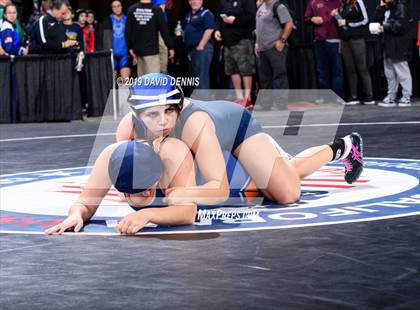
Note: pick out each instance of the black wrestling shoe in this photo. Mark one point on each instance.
(353, 163)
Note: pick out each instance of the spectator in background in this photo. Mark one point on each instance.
(271, 45)
(81, 17)
(393, 16)
(89, 32)
(418, 37)
(91, 18)
(9, 34)
(236, 23)
(36, 15)
(353, 23)
(2, 52)
(33, 22)
(144, 22)
(73, 31)
(327, 44)
(163, 50)
(50, 34)
(198, 30)
(19, 28)
(112, 36)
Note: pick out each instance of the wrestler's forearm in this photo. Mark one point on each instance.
(172, 215)
(210, 193)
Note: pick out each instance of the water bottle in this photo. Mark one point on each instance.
(178, 29)
(79, 61)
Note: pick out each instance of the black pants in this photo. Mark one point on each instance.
(354, 55)
(272, 69)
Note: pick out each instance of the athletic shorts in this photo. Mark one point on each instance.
(239, 58)
(121, 62)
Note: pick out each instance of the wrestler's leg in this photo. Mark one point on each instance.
(349, 149)
(274, 175)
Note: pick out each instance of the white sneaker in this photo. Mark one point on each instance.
(351, 102)
(404, 102)
(388, 102)
(369, 102)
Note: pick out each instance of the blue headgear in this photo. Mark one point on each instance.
(154, 89)
(134, 167)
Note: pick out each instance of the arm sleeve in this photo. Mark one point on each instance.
(309, 13)
(397, 25)
(7, 40)
(379, 15)
(163, 29)
(209, 22)
(249, 13)
(43, 38)
(283, 14)
(365, 16)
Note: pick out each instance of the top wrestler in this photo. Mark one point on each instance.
(209, 127)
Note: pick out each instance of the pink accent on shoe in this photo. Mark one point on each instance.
(356, 155)
(347, 165)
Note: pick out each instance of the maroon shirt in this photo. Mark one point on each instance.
(328, 29)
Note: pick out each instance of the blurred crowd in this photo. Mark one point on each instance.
(255, 36)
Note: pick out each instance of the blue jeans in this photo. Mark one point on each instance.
(329, 66)
(201, 61)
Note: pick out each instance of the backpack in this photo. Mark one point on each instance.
(292, 13)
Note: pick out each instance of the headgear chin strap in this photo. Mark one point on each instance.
(155, 89)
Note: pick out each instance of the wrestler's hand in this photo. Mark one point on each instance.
(74, 219)
(177, 196)
(132, 223)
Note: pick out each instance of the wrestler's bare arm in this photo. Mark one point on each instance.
(199, 135)
(125, 128)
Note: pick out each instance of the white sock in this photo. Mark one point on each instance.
(347, 147)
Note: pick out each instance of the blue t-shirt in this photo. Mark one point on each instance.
(78, 30)
(118, 32)
(196, 24)
(159, 3)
